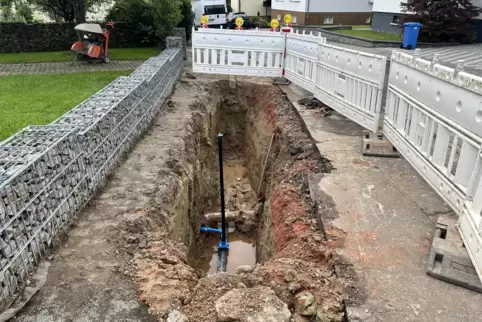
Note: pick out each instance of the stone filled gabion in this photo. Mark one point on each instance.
(35, 189)
(48, 173)
(173, 42)
(181, 32)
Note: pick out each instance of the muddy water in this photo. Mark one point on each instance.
(242, 251)
(242, 248)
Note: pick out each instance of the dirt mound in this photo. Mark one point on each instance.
(288, 277)
(257, 304)
(164, 276)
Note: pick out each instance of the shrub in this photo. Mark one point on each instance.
(138, 16)
(443, 20)
(187, 17)
(151, 21)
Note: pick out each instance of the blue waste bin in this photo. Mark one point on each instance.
(410, 35)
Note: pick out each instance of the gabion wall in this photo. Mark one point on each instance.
(48, 173)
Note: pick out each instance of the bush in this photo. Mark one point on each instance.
(443, 20)
(150, 21)
(187, 17)
(260, 22)
(138, 16)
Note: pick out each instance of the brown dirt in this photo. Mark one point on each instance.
(145, 225)
(300, 259)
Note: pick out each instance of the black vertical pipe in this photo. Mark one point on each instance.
(222, 260)
(221, 188)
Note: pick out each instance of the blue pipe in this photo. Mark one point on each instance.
(223, 248)
(211, 230)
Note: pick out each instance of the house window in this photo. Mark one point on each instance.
(294, 19)
(328, 20)
(396, 20)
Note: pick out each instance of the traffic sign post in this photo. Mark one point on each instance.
(274, 25)
(239, 23)
(204, 21)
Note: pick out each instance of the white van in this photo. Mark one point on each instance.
(215, 10)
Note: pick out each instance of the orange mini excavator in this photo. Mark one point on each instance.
(93, 43)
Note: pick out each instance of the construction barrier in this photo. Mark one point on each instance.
(433, 117)
(238, 52)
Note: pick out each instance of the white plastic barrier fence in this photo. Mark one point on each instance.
(302, 59)
(238, 52)
(433, 117)
(351, 82)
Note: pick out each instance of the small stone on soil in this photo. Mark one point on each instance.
(294, 287)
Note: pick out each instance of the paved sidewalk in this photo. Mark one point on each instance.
(66, 67)
(449, 56)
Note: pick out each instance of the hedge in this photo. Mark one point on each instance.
(21, 37)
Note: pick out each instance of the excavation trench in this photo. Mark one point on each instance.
(278, 257)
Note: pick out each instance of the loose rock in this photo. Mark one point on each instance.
(259, 304)
(176, 316)
(305, 304)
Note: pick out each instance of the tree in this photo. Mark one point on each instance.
(25, 12)
(66, 10)
(187, 20)
(167, 16)
(15, 10)
(443, 20)
(138, 17)
(6, 10)
(79, 10)
(149, 20)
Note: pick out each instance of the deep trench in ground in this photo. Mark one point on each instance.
(248, 148)
(276, 234)
(243, 187)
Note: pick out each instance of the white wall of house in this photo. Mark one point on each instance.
(340, 5)
(290, 5)
(251, 7)
(392, 6)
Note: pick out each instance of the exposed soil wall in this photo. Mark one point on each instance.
(292, 254)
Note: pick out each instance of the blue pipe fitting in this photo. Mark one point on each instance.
(223, 245)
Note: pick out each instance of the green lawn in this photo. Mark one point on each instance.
(370, 34)
(40, 99)
(59, 56)
(361, 26)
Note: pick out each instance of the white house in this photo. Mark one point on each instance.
(328, 12)
(386, 15)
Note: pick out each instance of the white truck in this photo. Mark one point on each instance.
(215, 10)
